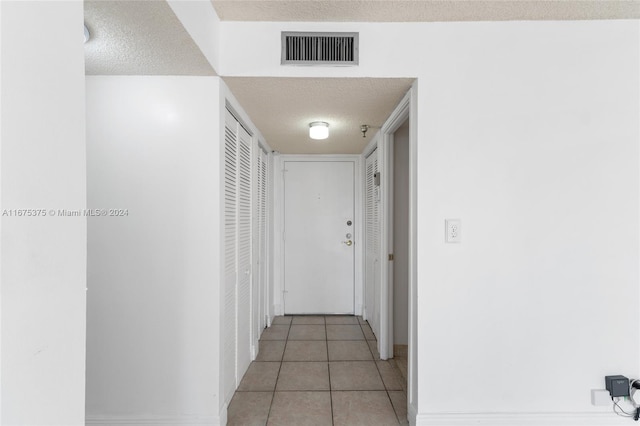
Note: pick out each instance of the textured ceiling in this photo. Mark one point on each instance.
(282, 109)
(425, 10)
(139, 38)
(146, 38)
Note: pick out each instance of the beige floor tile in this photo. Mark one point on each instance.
(301, 409)
(344, 332)
(399, 402)
(271, 350)
(368, 333)
(308, 320)
(362, 409)
(303, 376)
(280, 320)
(305, 350)
(249, 409)
(400, 364)
(400, 351)
(349, 350)
(390, 376)
(355, 375)
(341, 319)
(307, 332)
(275, 332)
(261, 376)
(373, 345)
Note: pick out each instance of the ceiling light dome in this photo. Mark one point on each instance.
(319, 130)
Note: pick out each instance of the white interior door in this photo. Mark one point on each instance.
(237, 310)
(243, 302)
(372, 249)
(230, 254)
(319, 237)
(260, 277)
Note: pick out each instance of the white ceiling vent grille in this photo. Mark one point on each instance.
(304, 48)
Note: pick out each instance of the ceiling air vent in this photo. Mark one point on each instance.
(304, 48)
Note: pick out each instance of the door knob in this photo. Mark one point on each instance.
(348, 242)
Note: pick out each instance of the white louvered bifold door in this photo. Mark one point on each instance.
(261, 211)
(236, 347)
(259, 281)
(244, 296)
(372, 249)
(230, 254)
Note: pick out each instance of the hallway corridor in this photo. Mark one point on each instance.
(319, 370)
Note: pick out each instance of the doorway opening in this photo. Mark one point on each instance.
(384, 263)
(397, 158)
(400, 243)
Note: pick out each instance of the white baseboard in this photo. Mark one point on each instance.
(518, 419)
(222, 419)
(254, 350)
(153, 420)
(412, 413)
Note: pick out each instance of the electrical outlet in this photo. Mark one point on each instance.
(452, 230)
(600, 397)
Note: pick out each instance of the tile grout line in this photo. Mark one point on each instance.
(328, 361)
(367, 341)
(326, 336)
(386, 390)
(273, 395)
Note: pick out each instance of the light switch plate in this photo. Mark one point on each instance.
(452, 230)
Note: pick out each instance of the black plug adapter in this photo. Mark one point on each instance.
(618, 386)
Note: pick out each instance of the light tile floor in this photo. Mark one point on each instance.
(319, 370)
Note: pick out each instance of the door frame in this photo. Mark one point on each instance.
(278, 203)
(406, 109)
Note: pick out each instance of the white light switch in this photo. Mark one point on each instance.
(452, 230)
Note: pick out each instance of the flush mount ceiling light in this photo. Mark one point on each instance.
(87, 35)
(319, 130)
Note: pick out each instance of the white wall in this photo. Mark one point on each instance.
(200, 20)
(528, 132)
(154, 275)
(43, 276)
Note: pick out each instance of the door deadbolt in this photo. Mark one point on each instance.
(349, 223)
(348, 235)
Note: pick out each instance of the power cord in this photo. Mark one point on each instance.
(634, 385)
(623, 413)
